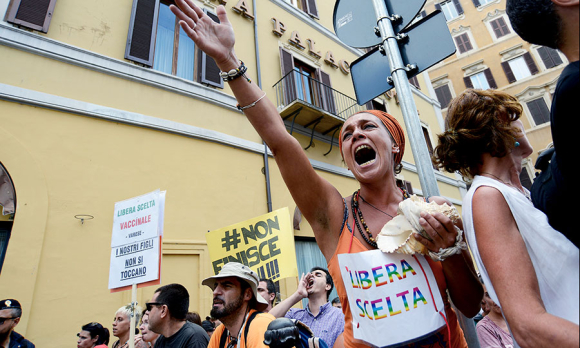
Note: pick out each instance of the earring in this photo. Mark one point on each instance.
(518, 144)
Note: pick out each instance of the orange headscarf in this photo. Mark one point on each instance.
(393, 127)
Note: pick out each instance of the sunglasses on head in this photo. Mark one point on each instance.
(149, 305)
(3, 320)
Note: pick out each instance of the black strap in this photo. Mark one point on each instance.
(224, 336)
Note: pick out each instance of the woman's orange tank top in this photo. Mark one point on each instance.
(438, 340)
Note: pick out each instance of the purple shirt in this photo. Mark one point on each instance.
(492, 336)
(328, 324)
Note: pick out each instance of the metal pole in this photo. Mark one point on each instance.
(410, 115)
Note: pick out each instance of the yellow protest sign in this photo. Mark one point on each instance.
(265, 244)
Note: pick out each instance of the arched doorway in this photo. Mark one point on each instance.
(7, 211)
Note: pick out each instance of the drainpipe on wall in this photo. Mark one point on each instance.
(259, 81)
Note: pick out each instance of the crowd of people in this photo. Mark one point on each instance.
(523, 243)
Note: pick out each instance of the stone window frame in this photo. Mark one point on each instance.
(532, 93)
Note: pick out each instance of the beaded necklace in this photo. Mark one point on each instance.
(368, 237)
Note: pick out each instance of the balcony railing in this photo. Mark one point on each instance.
(297, 86)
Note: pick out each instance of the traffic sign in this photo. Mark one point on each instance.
(355, 20)
(427, 43)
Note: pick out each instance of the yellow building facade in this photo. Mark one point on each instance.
(104, 100)
(491, 55)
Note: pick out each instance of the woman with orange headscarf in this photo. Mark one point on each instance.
(372, 144)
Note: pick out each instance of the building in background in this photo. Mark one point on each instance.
(105, 100)
(491, 55)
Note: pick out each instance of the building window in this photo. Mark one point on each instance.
(428, 142)
(526, 178)
(451, 8)
(539, 111)
(308, 256)
(32, 14)
(550, 57)
(304, 82)
(479, 81)
(520, 68)
(444, 96)
(156, 40)
(463, 43)
(375, 105)
(479, 3)
(5, 228)
(414, 81)
(174, 51)
(500, 27)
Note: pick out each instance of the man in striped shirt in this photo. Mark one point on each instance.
(325, 320)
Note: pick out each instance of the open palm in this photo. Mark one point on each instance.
(215, 39)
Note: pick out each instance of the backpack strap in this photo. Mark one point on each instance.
(247, 328)
(224, 335)
(223, 338)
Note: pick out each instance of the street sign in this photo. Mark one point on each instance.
(355, 20)
(428, 42)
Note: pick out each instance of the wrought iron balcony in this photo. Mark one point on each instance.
(313, 104)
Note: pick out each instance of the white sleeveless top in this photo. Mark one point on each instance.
(554, 257)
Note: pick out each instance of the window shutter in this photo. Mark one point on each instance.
(555, 56)
(468, 82)
(326, 92)
(310, 7)
(438, 7)
(458, 7)
(32, 14)
(287, 64)
(463, 43)
(209, 73)
(142, 32)
(539, 110)
(500, 27)
(508, 72)
(531, 64)
(476, 3)
(490, 78)
(444, 96)
(415, 82)
(550, 57)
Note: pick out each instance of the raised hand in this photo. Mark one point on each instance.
(304, 285)
(215, 39)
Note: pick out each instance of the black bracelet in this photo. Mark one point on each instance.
(235, 73)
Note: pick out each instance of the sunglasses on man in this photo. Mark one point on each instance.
(3, 320)
(149, 305)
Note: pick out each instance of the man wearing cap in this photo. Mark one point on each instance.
(237, 304)
(10, 313)
(167, 317)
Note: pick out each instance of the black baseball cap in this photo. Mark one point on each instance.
(10, 304)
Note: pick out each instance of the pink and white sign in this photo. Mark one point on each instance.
(393, 298)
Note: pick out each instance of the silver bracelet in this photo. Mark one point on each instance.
(242, 108)
(459, 246)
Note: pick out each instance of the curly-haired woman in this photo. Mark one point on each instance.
(530, 269)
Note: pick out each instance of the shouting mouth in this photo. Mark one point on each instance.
(364, 155)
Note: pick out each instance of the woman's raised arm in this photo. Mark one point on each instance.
(317, 199)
